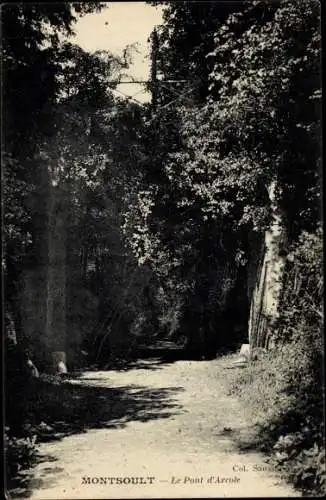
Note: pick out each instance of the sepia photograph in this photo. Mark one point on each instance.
(162, 256)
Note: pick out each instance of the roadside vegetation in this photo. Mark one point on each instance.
(157, 207)
(283, 387)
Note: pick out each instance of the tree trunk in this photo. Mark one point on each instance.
(55, 330)
(44, 297)
(266, 292)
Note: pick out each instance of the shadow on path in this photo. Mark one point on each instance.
(149, 358)
(69, 407)
(60, 408)
(22, 485)
(150, 362)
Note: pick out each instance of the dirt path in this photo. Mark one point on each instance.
(172, 425)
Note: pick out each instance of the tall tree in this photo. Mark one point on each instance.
(29, 92)
(216, 169)
(185, 39)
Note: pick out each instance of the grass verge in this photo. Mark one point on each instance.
(287, 409)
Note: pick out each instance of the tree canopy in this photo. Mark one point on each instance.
(132, 223)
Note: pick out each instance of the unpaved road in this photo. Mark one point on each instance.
(173, 425)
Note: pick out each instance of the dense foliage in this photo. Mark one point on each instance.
(284, 388)
(258, 128)
(66, 146)
(215, 160)
(155, 211)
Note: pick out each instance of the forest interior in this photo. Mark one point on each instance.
(165, 234)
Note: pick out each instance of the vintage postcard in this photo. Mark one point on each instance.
(162, 256)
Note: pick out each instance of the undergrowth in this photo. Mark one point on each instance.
(290, 425)
(19, 453)
(284, 387)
